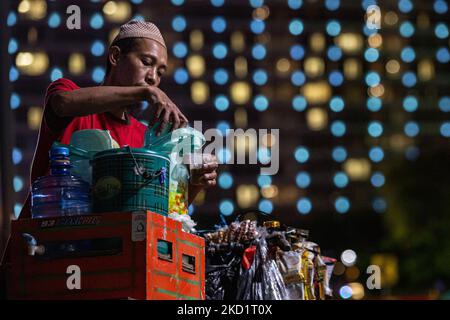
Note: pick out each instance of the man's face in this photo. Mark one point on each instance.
(144, 65)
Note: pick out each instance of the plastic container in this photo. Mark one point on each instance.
(177, 145)
(130, 179)
(60, 193)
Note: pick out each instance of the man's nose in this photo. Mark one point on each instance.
(150, 77)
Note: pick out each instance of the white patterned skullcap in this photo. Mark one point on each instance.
(140, 29)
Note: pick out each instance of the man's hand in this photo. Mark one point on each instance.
(204, 177)
(166, 110)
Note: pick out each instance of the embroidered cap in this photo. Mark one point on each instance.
(140, 29)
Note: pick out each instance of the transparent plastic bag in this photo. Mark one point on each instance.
(84, 144)
(177, 145)
(263, 280)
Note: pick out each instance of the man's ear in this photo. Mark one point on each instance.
(114, 55)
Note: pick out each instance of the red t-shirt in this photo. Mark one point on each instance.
(125, 132)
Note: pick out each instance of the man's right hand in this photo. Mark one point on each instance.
(165, 110)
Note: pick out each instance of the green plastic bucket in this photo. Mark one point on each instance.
(129, 179)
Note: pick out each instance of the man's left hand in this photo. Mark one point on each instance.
(205, 177)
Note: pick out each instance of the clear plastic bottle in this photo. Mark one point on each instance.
(60, 193)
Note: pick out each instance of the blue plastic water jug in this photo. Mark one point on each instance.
(60, 193)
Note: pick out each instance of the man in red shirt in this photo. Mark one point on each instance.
(137, 60)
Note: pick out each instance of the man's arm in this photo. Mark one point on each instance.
(92, 100)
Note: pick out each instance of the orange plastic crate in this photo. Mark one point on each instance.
(118, 258)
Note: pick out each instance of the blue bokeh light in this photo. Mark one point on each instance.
(264, 180)
(332, 5)
(301, 154)
(179, 23)
(377, 180)
(11, 20)
(17, 156)
(379, 205)
(260, 77)
(219, 24)
(298, 78)
(259, 51)
(226, 207)
(13, 46)
(97, 48)
(443, 55)
(407, 29)
(441, 31)
(444, 104)
(339, 154)
(304, 206)
(345, 292)
(410, 103)
(411, 129)
(261, 103)
(180, 49)
(256, 3)
(342, 205)
(340, 179)
(297, 52)
(264, 155)
(220, 51)
(372, 79)
(405, 6)
(181, 76)
(338, 128)
(225, 180)
(440, 6)
(303, 179)
(295, 4)
(265, 206)
(374, 104)
(217, 3)
(257, 26)
(14, 101)
(336, 78)
(56, 74)
(408, 54)
(334, 53)
(299, 103)
(337, 104)
(13, 74)
(96, 21)
(371, 54)
(333, 28)
(223, 127)
(375, 129)
(221, 76)
(54, 20)
(409, 79)
(376, 154)
(296, 27)
(221, 103)
(445, 129)
(98, 74)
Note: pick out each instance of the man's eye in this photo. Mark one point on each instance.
(146, 62)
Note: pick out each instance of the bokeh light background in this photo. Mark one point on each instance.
(363, 116)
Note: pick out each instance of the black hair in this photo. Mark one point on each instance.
(125, 45)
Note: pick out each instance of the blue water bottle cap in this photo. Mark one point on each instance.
(59, 151)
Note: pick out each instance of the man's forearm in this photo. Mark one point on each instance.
(193, 192)
(99, 99)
